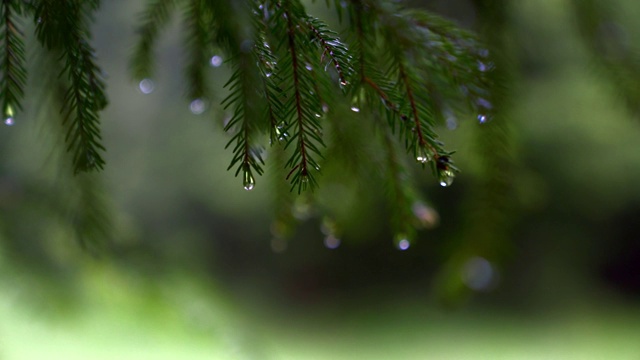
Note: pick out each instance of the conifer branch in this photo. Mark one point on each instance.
(85, 97)
(198, 42)
(154, 18)
(303, 104)
(12, 60)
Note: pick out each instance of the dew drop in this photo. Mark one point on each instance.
(478, 274)
(452, 123)
(331, 242)
(325, 108)
(318, 115)
(197, 106)
(426, 215)
(249, 182)
(483, 119)
(484, 103)
(216, 61)
(344, 82)
(402, 243)
(9, 121)
(308, 67)
(355, 109)
(423, 156)
(446, 177)
(146, 86)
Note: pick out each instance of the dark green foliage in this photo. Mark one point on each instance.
(63, 27)
(608, 46)
(401, 71)
(155, 17)
(12, 60)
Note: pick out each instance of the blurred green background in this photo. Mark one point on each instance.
(194, 272)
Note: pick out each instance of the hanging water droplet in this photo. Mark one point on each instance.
(344, 82)
(268, 74)
(249, 182)
(483, 119)
(446, 177)
(423, 155)
(281, 134)
(331, 242)
(452, 122)
(478, 274)
(146, 86)
(325, 108)
(308, 67)
(216, 61)
(8, 115)
(355, 109)
(426, 215)
(197, 106)
(402, 242)
(301, 209)
(318, 115)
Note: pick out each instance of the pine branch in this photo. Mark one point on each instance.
(154, 18)
(12, 60)
(619, 64)
(245, 157)
(85, 97)
(198, 42)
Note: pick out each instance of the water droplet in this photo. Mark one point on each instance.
(402, 243)
(484, 67)
(249, 182)
(344, 82)
(478, 274)
(446, 177)
(484, 103)
(146, 86)
(426, 215)
(318, 115)
(9, 121)
(325, 108)
(301, 209)
(423, 155)
(197, 106)
(483, 119)
(39, 20)
(268, 74)
(452, 123)
(281, 134)
(331, 242)
(308, 67)
(355, 109)
(216, 61)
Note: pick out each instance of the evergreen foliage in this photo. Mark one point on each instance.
(403, 71)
